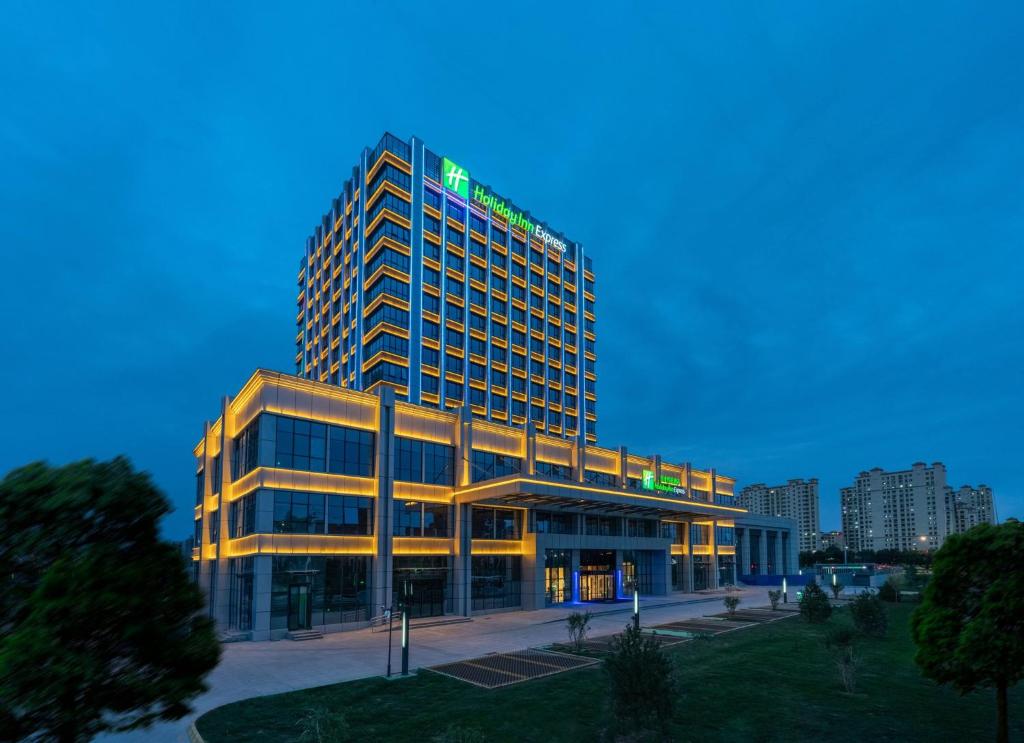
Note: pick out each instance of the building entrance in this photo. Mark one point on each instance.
(597, 575)
(300, 608)
(424, 583)
(425, 595)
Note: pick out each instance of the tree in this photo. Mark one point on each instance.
(840, 641)
(774, 597)
(969, 628)
(100, 625)
(731, 602)
(869, 615)
(642, 679)
(889, 591)
(578, 624)
(814, 605)
(837, 588)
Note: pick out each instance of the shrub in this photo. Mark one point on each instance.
(837, 588)
(869, 615)
(889, 592)
(814, 605)
(775, 597)
(578, 624)
(731, 602)
(320, 725)
(642, 682)
(840, 641)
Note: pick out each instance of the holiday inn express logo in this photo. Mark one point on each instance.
(455, 177)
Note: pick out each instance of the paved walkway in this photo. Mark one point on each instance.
(250, 669)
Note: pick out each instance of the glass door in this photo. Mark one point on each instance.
(554, 580)
(597, 587)
(299, 607)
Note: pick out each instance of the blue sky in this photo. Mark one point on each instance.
(806, 219)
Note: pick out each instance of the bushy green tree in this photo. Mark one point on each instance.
(100, 624)
(814, 604)
(969, 628)
(869, 615)
(642, 679)
(731, 602)
(774, 597)
(889, 591)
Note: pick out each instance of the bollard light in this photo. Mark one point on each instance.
(785, 597)
(636, 607)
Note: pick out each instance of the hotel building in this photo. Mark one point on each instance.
(797, 500)
(421, 278)
(317, 506)
(903, 510)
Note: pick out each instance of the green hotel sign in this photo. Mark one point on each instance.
(456, 178)
(667, 484)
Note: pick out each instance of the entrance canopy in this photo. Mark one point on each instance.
(533, 491)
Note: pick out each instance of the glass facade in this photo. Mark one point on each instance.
(496, 582)
(396, 243)
(308, 591)
(297, 444)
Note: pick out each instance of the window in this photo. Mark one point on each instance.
(429, 383)
(301, 444)
(599, 478)
(495, 582)
(554, 522)
(431, 329)
(419, 519)
(351, 452)
(349, 514)
(453, 363)
(387, 285)
(497, 523)
(602, 526)
(242, 516)
(488, 465)
(298, 513)
(558, 471)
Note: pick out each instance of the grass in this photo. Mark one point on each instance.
(773, 682)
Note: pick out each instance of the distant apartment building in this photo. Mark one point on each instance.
(901, 510)
(968, 507)
(832, 539)
(797, 500)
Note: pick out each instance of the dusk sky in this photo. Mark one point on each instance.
(806, 220)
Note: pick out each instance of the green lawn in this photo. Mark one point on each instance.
(774, 682)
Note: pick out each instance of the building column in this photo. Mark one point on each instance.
(579, 456)
(778, 553)
(381, 586)
(462, 569)
(220, 598)
(530, 447)
(762, 550)
(262, 581)
(713, 581)
(688, 558)
(745, 544)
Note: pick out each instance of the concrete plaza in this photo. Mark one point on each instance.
(250, 669)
